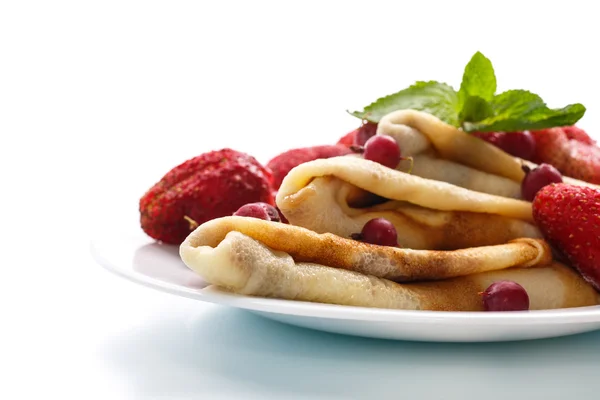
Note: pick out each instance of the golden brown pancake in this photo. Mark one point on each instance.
(397, 264)
(238, 263)
(443, 152)
(324, 196)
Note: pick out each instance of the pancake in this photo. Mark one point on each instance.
(239, 263)
(328, 196)
(443, 152)
(393, 263)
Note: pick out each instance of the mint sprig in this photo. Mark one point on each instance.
(479, 80)
(525, 110)
(476, 90)
(476, 106)
(433, 97)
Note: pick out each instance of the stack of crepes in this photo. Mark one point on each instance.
(460, 224)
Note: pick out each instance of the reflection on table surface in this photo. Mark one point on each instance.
(228, 351)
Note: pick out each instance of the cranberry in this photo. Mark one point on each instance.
(383, 150)
(537, 178)
(378, 231)
(505, 296)
(259, 210)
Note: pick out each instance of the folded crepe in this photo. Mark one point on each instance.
(393, 263)
(339, 195)
(260, 258)
(443, 152)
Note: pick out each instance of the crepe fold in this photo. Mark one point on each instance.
(334, 195)
(443, 152)
(393, 263)
(232, 253)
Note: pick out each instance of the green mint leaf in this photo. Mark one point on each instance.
(435, 98)
(478, 80)
(475, 109)
(517, 110)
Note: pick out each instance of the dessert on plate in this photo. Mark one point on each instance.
(443, 200)
(339, 195)
(252, 258)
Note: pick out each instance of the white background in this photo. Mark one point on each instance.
(98, 99)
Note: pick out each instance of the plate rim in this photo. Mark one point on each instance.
(210, 294)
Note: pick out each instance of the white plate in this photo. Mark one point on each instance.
(158, 266)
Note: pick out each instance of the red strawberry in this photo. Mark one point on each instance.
(570, 150)
(359, 137)
(209, 186)
(348, 139)
(283, 163)
(569, 218)
(519, 144)
(578, 134)
(491, 137)
(364, 133)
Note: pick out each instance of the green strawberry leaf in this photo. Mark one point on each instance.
(478, 80)
(517, 110)
(433, 97)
